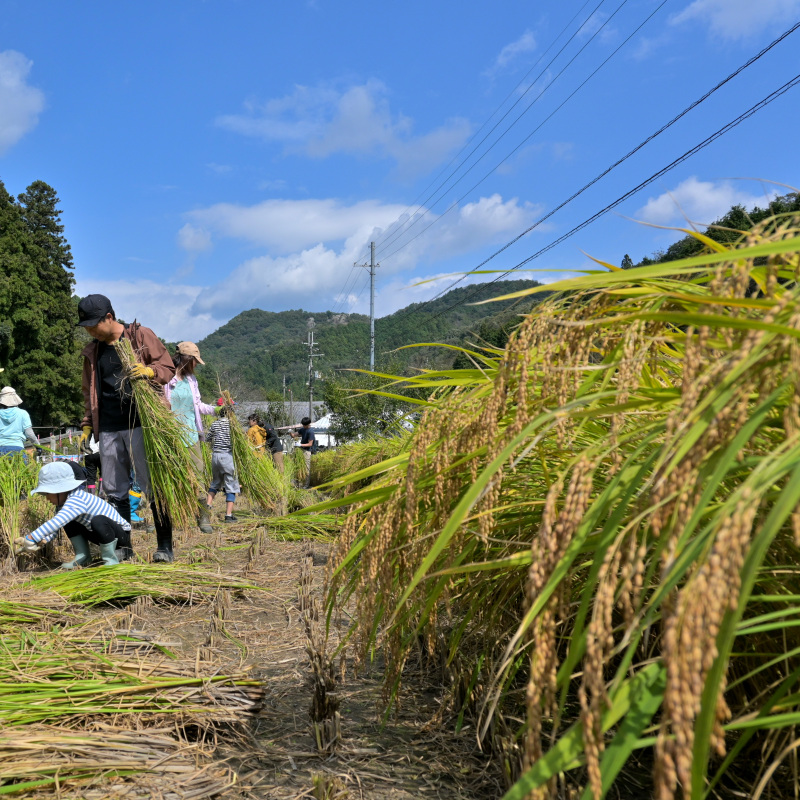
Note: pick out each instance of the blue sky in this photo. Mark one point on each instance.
(220, 155)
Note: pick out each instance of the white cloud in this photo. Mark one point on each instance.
(702, 202)
(165, 308)
(194, 239)
(290, 225)
(20, 103)
(738, 19)
(511, 52)
(312, 276)
(323, 120)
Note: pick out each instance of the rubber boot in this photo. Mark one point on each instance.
(203, 518)
(163, 525)
(82, 554)
(124, 545)
(107, 553)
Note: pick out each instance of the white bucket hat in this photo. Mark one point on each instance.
(55, 478)
(8, 397)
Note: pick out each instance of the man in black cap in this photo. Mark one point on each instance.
(110, 411)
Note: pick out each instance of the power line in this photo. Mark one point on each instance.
(389, 238)
(655, 176)
(489, 118)
(534, 131)
(341, 298)
(525, 111)
(638, 147)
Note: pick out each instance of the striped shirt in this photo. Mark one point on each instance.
(81, 507)
(220, 434)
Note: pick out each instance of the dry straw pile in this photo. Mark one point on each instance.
(594, 536)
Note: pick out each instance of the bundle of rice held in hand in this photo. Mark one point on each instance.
(259, 479)
(174, 482)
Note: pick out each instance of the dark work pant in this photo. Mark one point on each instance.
(104, 530)
(91, 463)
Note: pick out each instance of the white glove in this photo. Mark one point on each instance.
(25, 545)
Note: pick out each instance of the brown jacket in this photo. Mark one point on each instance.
(150, 352)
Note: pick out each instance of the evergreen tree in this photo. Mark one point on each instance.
(37, 312)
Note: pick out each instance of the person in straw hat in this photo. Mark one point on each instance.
(183, 395)
(85, 517)
(15, 424)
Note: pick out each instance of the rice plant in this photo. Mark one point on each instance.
(17, 478)
(175, 485)
(597, 532)
(327, 467)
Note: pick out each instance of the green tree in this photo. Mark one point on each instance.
(38, 346)
(355, 413)
(627, 262)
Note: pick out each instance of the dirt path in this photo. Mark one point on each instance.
(276, 756)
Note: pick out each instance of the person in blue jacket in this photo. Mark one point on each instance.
(15, 424)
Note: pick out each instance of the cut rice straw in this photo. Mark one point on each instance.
(48, 676)
(173, 583)
(174, 481)
(260, 480)
(40, 757)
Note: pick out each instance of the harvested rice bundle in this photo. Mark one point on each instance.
(15, 613)
(322, 527)
(173, 479)
(48, 676)
(256, 482)
(42, 757)
(173, 583)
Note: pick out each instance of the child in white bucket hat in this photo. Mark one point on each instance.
(85, 517)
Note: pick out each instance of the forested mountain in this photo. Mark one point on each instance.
(251, 353)
(726, 229)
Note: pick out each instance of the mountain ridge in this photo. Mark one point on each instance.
(253, 351)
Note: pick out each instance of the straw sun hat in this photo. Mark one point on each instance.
(8, 397)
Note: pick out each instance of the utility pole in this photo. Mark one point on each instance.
(283, 415)
(371, 266)
(311, 356)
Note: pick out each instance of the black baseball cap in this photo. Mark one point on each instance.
(92, 309)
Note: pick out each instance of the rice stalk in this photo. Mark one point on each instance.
(322, 527)
(40, 614)
(259, 479)
(39, 757)
(49, 676)
(175, 485)
(173, 583)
